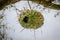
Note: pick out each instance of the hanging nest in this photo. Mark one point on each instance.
(31, 19)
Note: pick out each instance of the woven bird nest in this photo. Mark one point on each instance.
(31, 19)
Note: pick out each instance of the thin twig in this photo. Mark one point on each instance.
(34, 34)
(24, 8)
(21, 30)
(16, 10)
(29, 5)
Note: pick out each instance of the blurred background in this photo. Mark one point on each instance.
(11, 29)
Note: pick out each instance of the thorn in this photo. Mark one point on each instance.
(29, 5)
(21, 30)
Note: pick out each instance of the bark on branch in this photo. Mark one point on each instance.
(4, 3)
(45, 3)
